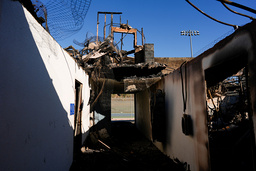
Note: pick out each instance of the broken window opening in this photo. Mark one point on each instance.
(122, 107)
(229, 126)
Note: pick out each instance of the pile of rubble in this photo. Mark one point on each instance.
(125, 149)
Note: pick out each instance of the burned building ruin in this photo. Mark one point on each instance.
(200, 112)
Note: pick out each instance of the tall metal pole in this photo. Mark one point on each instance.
(142, 36)
(97, 37)
(112, 34)
(190, 33)
(105, 26)
(191, 45)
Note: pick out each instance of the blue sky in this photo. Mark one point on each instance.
(163, 20)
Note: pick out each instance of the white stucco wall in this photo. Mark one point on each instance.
(36, 89)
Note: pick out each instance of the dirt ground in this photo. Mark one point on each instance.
(126, 149)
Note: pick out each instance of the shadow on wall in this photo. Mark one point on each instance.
(35, 130)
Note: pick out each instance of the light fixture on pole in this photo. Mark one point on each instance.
(190, 33)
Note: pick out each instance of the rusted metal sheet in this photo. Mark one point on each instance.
(126, 30)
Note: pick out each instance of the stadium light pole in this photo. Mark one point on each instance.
(190, 33)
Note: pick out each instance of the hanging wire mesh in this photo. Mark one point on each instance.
(63, 18)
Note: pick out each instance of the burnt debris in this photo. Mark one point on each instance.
(126, 149)
(229, 123)
(105, 62)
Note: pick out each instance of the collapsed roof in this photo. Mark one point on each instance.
(102, 59)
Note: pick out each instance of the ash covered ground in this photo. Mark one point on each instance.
(125, 149)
